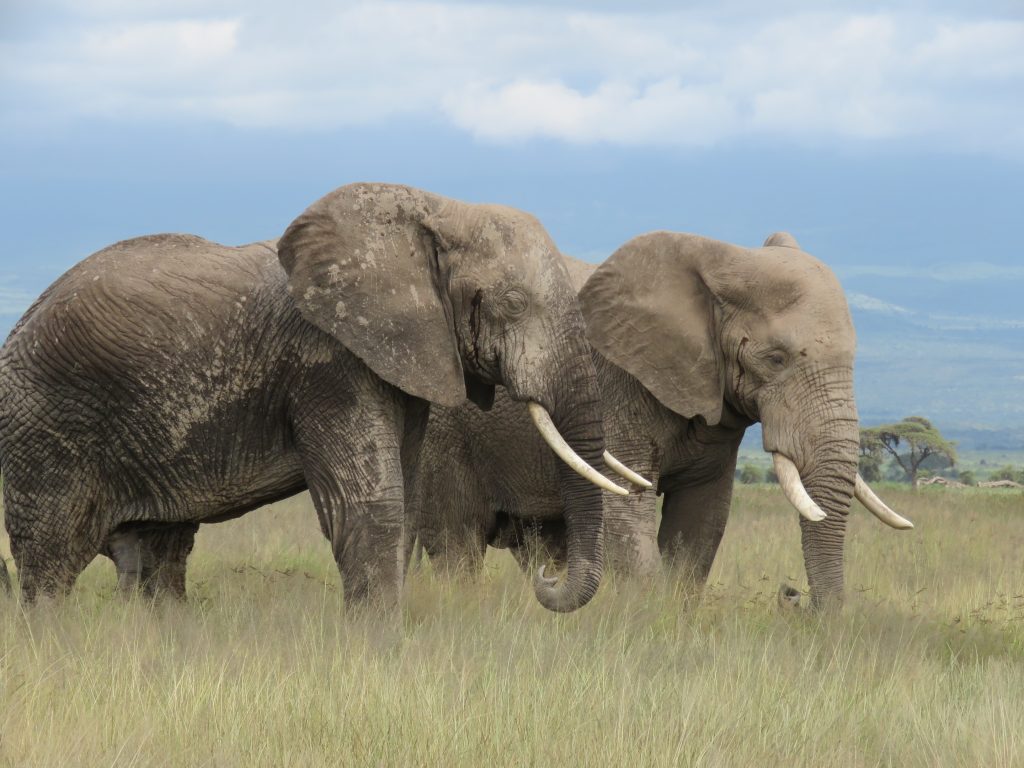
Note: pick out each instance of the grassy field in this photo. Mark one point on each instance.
(924, 666)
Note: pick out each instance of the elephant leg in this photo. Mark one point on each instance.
(53, 538)
(458, 551)
(693, 520)
(124, 547)
(452, 520)
(353, 467)
(165, 554)
(417, 413)
(631, 536)
(153, 559)
(630, 522)
(449, 514)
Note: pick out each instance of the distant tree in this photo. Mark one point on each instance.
(967, 477)
(770, 476)
(870, 466)
(751, 474)
(920, 438)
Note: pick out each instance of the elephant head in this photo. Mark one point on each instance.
(445, 300)
(765, 333)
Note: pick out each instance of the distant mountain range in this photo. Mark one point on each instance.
(946, 345)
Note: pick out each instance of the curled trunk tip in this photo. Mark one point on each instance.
(566, 597)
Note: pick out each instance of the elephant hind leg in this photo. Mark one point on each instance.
(165, 558)
(124, 547)
(53, 538)
(152, 559)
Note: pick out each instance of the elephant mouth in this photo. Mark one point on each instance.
(797, 495)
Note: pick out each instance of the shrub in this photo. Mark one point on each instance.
(751, 474)
(1008, 472)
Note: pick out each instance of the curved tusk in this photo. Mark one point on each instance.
(548, 430)
(793, 487)
(621, 469)
(877, 507)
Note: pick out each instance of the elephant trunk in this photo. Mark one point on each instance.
(577, 416)
(825, 451)
(830, 483)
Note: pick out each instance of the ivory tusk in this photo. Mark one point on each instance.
(621, 469)
(793, 487)
(877, 507)
(548, 430)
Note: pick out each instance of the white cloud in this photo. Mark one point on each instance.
(964, 272)
(871, 304)
(508, 72)
(616, 112)
(973, 323)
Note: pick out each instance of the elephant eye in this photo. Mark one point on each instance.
(515, 302)
(777, 359)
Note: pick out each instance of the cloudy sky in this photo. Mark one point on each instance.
(888, 137)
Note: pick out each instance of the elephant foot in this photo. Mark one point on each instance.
(788, 597)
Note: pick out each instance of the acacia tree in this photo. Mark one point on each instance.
(919, 437)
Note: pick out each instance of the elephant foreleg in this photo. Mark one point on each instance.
(693, 520)
(353, 466)
(448, 513)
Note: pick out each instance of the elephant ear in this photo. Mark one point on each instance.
(364, 264)
(649, 311)
(782, 240)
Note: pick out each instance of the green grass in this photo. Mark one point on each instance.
(924, 666)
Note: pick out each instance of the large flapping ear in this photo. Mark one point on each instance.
(364, 265)
(649, 311)
(782, 240)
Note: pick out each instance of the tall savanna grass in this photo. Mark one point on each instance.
(263, 666)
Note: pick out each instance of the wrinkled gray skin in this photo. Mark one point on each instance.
(169, 381)
(694, 340)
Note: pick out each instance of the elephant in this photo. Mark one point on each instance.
(167, 381)
(694, 340)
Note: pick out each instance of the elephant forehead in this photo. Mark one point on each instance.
(816, 330)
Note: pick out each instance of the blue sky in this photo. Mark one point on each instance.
(889, 138)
